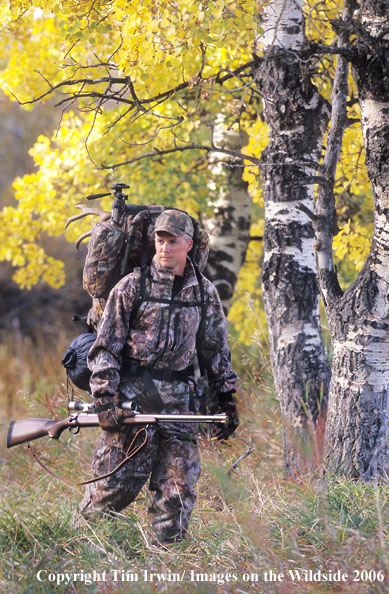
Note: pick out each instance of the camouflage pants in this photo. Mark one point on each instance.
(171, 459)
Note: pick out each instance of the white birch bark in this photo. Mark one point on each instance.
(357, 428)
(229, 228)
(297, 118)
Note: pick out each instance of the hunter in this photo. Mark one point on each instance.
(145, 354)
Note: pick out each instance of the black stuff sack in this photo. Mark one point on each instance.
(75, 360)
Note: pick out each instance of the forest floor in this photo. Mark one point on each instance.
(253, 529)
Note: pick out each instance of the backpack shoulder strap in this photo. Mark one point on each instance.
(200, 356)
(139, 296)
(144, 270)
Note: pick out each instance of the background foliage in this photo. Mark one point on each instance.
(177, 60)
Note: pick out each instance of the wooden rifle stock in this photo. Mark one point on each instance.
(29, 429)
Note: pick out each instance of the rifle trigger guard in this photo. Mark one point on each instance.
(74, 430)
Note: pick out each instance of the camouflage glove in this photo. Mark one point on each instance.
(108, 413)
(226, 405)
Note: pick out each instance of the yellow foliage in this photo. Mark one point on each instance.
(246, 312)
(318, 17)
(157, 45)
(258, 139)
(353, 242)
(353, 195)
(351, 171)
(145, 37)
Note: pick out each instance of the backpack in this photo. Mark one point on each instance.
(116, 247)
(124, 242)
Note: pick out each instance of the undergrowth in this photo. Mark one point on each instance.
(253, 529)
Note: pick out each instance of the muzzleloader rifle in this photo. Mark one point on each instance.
(83, 415)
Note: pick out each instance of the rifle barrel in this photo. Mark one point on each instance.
(141, 418)
(29, 429)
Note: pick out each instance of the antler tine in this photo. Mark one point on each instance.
(81, 238)
(102, 214)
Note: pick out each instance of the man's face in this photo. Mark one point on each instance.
(171, 251)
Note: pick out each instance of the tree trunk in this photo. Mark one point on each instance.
(297, 118)
(229, 228)
(357, 427)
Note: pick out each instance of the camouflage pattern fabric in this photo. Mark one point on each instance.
(174, 222)
(163, 335)
(96, 313)
(172, 461)
(103, 263)
(102, 268)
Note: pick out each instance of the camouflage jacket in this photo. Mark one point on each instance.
(161, 335)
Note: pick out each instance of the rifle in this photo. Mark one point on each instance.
(83, 415)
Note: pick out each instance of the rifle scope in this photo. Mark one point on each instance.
(89, 407)
(86, 407)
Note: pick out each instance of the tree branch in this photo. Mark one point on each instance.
(201, 147)
(136, 101)
(320, 48)
(326, 226)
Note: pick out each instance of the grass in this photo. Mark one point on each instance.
(252, 530)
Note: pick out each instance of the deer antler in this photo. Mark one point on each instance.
(86, 211)
(81, 238)
(102, 214)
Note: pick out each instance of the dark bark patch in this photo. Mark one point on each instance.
(371, 74)
(285, 235)
(355, 304)
(227, 220)
(221, 271)
(291, 290)
(293, 30)
(382, 211)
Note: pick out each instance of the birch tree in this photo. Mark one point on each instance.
(229, 225)
(357, 425)
(297, 117)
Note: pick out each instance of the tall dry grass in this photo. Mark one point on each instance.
(250, 519)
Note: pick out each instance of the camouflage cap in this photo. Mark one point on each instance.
(175, 222)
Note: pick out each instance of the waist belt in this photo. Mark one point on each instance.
(132, 369)
(148, 374)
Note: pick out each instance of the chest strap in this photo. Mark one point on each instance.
(133, 369)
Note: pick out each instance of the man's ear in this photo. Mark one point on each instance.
(190, 245)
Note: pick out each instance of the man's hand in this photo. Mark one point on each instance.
(226, 405)
(108, 413)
